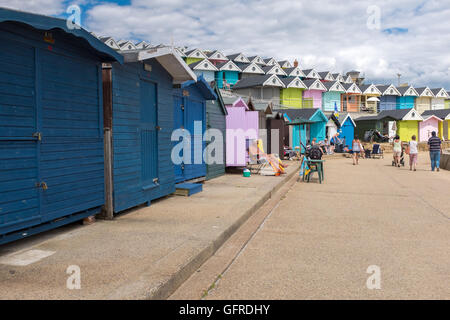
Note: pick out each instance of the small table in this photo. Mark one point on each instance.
(318, 167)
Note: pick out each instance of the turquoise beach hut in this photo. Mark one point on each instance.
(307, 124)
(407, 97)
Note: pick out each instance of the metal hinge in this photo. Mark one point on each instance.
(182, 166)
(156, 180)
(157, 127)
(182, 107)
(37, 135)
(42, 185)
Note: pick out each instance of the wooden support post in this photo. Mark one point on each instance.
(108, 208)
(108, 212)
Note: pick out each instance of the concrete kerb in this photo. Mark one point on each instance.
(174, 281)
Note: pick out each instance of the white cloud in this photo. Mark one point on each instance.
(326, 34)
(49, 7)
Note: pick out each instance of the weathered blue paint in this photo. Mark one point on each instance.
(189, 105)
(406, 102)
(231, 77)
(141, 101)
(387, 103)
(51, 130)
(41, 22)
(347, 131)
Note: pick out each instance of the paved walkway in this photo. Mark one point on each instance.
(320, 240)
(146, 253)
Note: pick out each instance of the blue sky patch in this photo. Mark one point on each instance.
(395, 30)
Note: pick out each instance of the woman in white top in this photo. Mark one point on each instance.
(397, 150)
(413, 152)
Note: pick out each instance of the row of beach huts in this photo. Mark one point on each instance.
(86, 125)
(280, 85)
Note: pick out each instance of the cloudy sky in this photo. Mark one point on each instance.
(379, 38)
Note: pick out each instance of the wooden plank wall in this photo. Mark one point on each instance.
(215, 118)
(127, 166)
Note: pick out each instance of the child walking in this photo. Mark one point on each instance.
(413, 153)
(356, 150)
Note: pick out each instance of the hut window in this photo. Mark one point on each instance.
(298, 72)
(276, 70)
(372, 90)
(392, 91)
(206, 65)
(111, 43)
(197, 54)
(273, 80)
(297, 83)
(129, 47)
(230, 67)
(253, 68)
(317, 85)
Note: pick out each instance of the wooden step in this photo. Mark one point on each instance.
(188, 189)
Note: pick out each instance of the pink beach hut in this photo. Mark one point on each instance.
(427, 126)
(312, 97)
(242, 129)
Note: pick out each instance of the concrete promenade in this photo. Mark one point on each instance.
(143, 254)
(319, 240)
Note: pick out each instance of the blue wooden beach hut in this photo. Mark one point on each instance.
(347, 129)
(51, 123)
(388, 99)
(189, 113)
(138, 108)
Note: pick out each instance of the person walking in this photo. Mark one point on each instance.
(435, 145)
(413, 153)
(397, 150)
(356, 150)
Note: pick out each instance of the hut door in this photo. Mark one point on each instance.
(178, 118)
(71, 150)
(195, 124)
(149, 136)
(19, 138)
